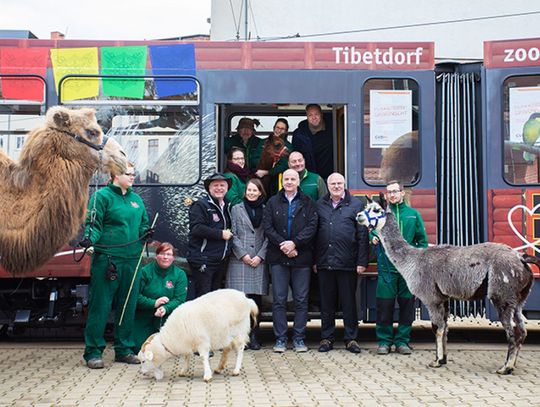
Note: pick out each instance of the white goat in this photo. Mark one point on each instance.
(217, 320)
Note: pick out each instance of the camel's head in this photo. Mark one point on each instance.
(374, 214)
(87, 137)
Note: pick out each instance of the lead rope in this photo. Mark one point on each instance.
(135, 274)
(92, 211)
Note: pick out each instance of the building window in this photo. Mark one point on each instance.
(19, 142)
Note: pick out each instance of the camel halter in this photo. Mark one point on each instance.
(373, 220)
(80, 139)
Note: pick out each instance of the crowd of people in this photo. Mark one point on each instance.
(277, 213)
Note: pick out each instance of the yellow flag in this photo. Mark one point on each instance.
(70, 61)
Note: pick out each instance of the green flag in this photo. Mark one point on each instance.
(123, 62)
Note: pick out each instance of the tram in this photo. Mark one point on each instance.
(444, 130)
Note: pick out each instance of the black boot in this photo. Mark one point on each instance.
(253, 342)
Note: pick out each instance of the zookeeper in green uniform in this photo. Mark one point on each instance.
(390, 284)
(247, 140)
(238, 173)
(120, 218)
(163, 287)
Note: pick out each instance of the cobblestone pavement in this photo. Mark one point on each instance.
(53, 374)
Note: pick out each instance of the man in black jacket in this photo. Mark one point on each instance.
(209, 235)
(290, 223)
(341, 255)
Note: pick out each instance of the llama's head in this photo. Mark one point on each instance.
(374, 214)
(83, 137)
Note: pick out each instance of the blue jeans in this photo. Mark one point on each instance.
(298, 278)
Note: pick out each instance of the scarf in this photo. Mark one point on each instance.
(243, 173)
(254, 210)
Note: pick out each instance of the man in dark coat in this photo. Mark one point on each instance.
(341, 255)
(209, 236)
(290, 223)
(314, 139)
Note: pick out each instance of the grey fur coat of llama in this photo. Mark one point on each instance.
(438, 273)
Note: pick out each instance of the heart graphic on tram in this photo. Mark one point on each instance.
(530, 212)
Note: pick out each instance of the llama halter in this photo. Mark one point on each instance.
(373, 220)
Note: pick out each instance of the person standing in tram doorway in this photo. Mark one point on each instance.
(390, 284)
(209, 236)
(314, 139)
(341, 254)
(246, 139)
(117, 230)
(290, 224)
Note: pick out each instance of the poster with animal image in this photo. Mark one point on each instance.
(390, 116)
(525, 115)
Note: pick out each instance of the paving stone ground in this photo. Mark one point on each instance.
(53, 374)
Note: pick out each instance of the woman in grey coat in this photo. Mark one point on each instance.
(246, 271)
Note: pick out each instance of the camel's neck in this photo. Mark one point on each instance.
(400, 253)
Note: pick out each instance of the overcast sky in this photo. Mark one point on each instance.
(107, 19)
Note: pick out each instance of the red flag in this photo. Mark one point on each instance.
(23, 61)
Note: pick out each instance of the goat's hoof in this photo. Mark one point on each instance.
(183, 374)
(217, 371)
(207, 378)
(435, 363)
(236, 372)
(505, 370)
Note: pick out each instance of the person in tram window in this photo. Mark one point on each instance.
(290, 224)
(163, 287)
(274, 156)
(246, 139)
(341, 254)
(314, 139)
(390, 284)
(238, 173)
(117, 230)
(247, 271)
(209, 241)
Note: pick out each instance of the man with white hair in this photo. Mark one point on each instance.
(290, 223)
(341, 255)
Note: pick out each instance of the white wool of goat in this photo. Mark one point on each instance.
(217, 320)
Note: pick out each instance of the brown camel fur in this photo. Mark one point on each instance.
(43, 197)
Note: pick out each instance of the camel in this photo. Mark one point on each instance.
(438, 273)
(43, 197)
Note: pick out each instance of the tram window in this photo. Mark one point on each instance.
(163, 143)
(391, 148)
(521, 129)
(155, 119)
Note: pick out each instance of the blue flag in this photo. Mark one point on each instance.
(178, 59)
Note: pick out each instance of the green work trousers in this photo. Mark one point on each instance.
(104, 294)
(389, 287)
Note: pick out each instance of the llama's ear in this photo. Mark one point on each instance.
(382, 200)
(61, 118)
(369, 199)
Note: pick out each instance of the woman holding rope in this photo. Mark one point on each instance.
(117, 226)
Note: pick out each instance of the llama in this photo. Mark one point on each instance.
(438, 273)
(43, 197)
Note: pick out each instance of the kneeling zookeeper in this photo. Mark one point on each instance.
(116, 226)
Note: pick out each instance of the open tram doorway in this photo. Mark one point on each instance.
(227, 118)
(229, 115)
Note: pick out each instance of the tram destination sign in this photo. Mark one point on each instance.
(512, 53)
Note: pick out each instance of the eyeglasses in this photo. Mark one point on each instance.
(129, 174)
(393, 192)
